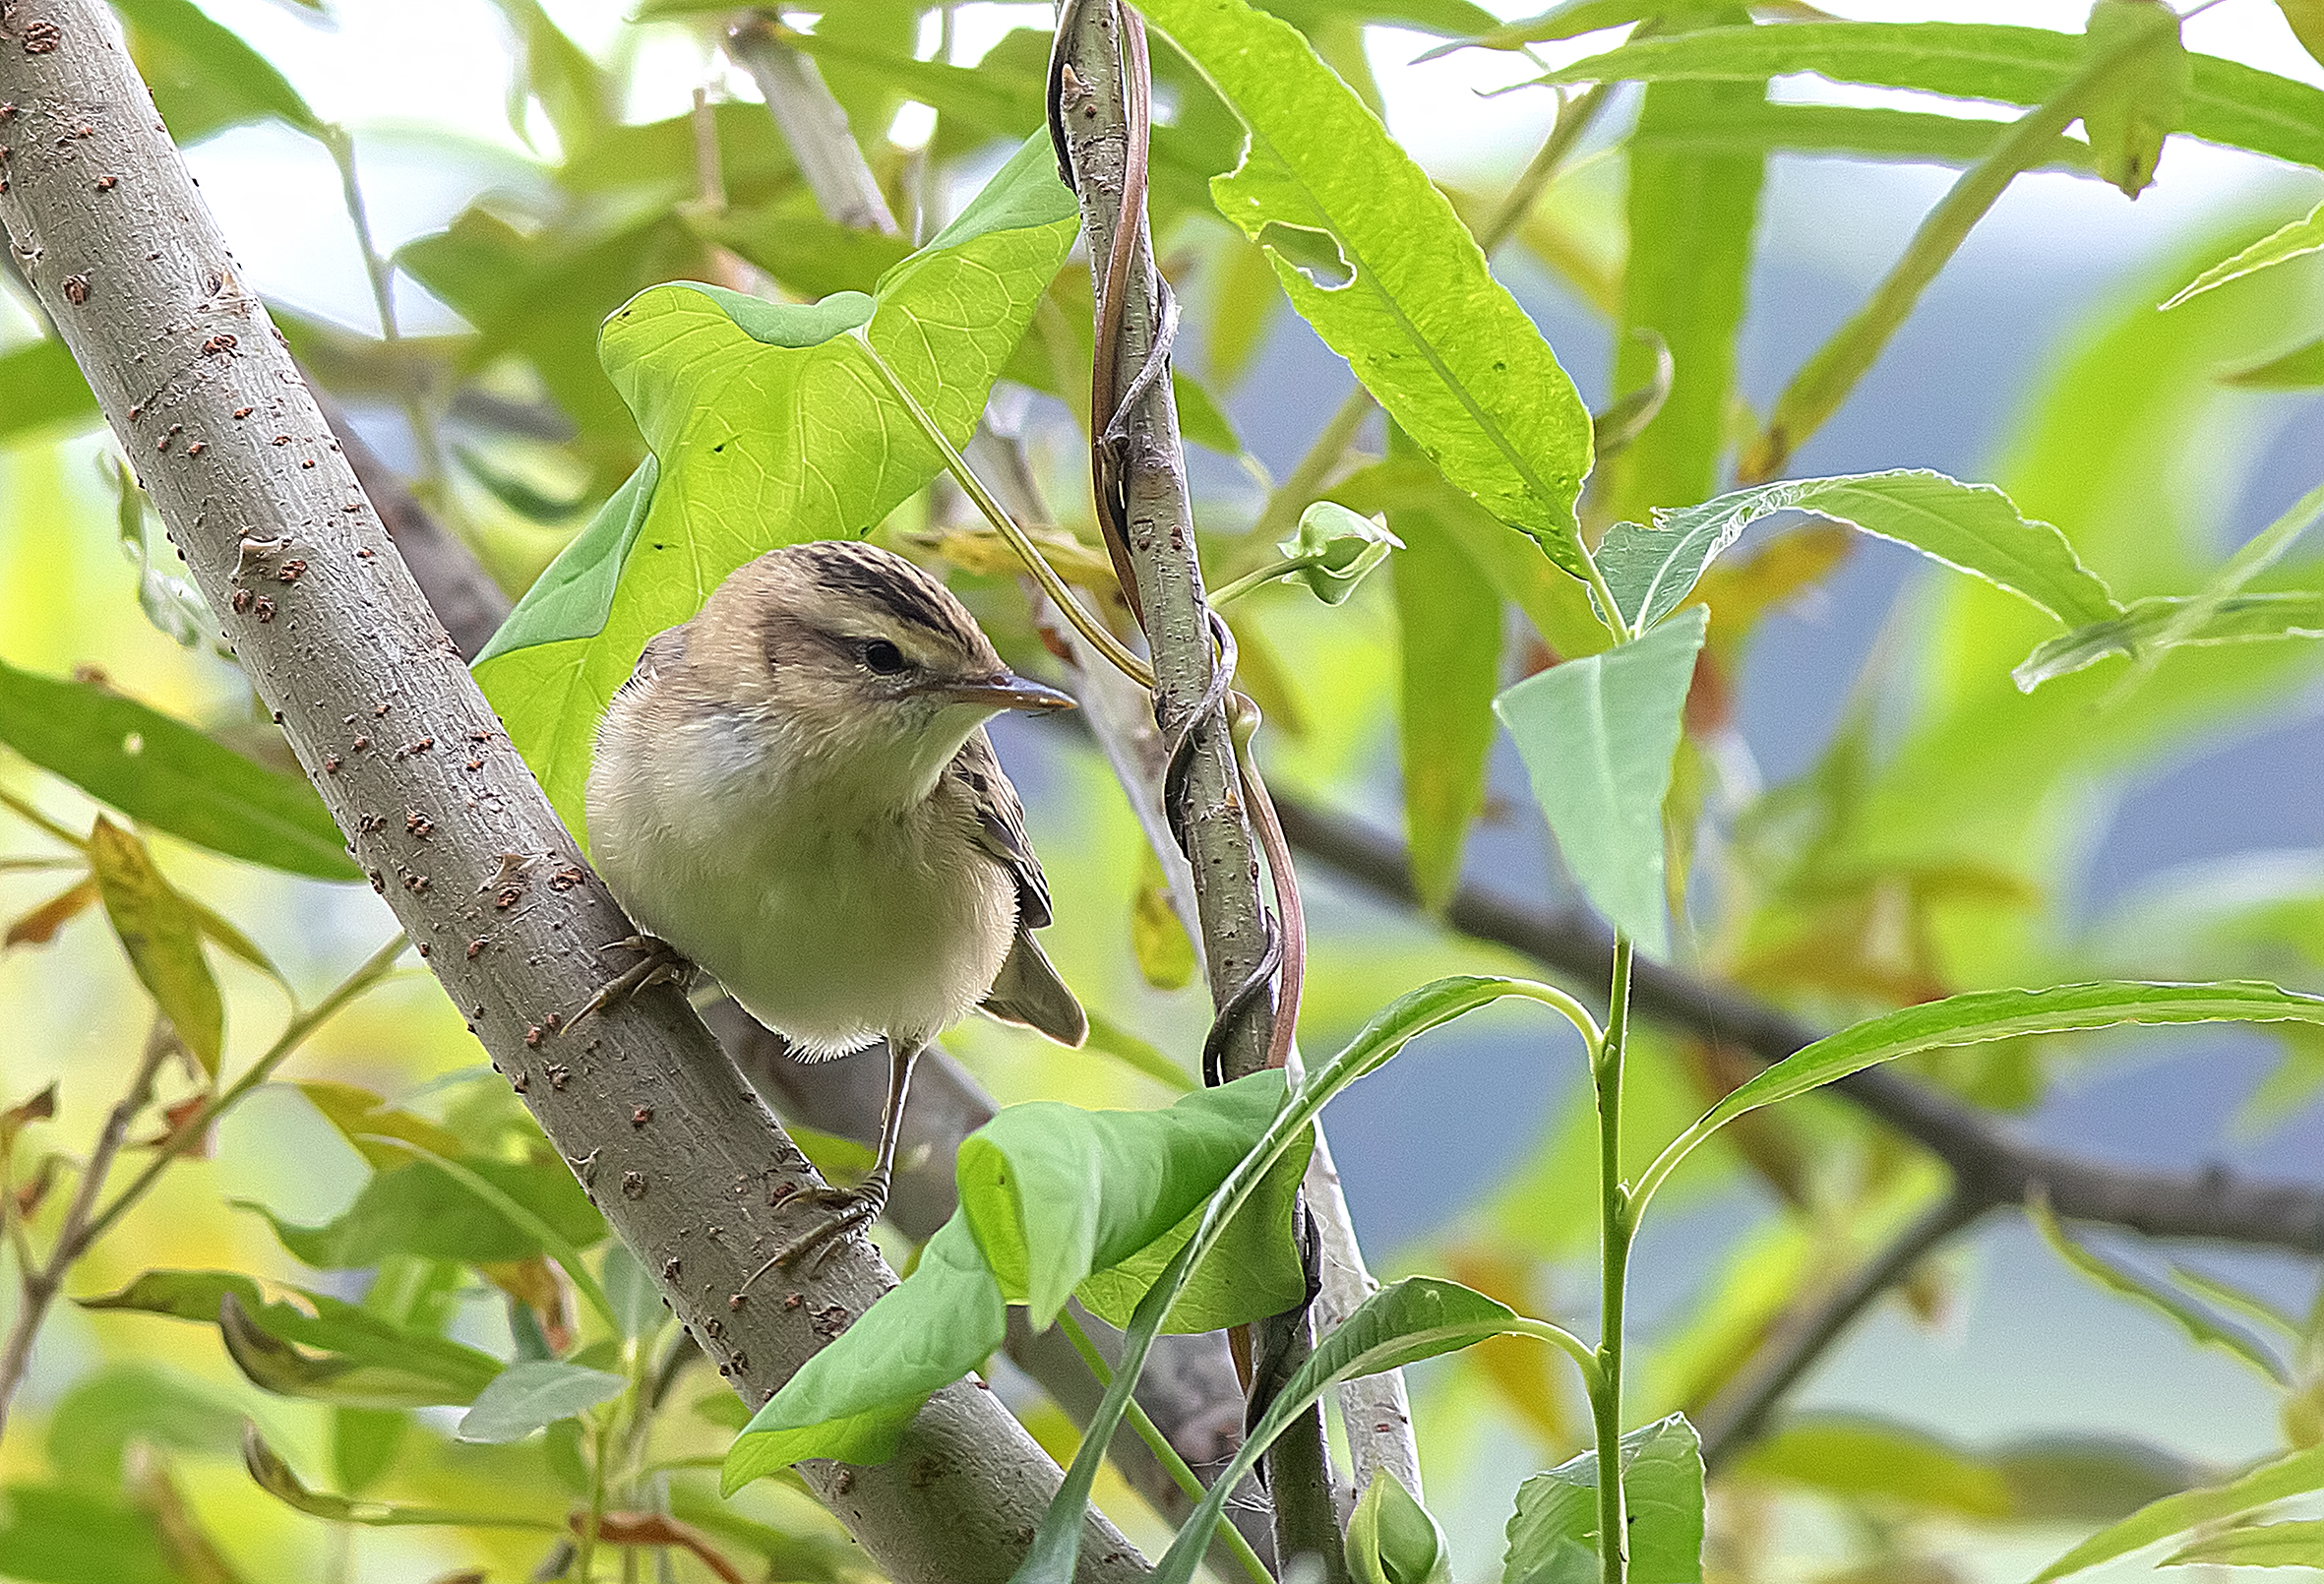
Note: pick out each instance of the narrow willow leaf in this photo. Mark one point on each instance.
(637, 1306)
(2306, 19)
(344, 1379)
(530, 1396)
(768, 427)
(1393, 1539)
(1401, 290)
(1597, 736)
(1859, 131)
(1969, 527)
(2262, 551)
(2142, 100)
(163, 773)
(2238, 619)
(276, 1478)
(1682, 300)
(1987, 1014)
(163, 940)
(2199, 1324)
(1554, 1534)
(2294, 241)
(1448, 631)
(2291, 1476)
(2300, 369)
(2237, 105)
(1419, 1317)
(421, 1208)
(2298, 1544)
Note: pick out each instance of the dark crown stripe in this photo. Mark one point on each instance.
(899, 587)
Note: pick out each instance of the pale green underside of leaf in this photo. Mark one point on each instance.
(533, 1393)
(1597, 736)
(2239, 619)
(769, 427)
(1554, 1533)
(1865, 132)
(1423, 323)
(2226, 103)
(2291, 1476)
(2300, 369)
(2296, 240)
(2298, 1544)
(1969, 527)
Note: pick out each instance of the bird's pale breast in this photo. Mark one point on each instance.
(831, 919)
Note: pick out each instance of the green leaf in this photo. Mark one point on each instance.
(2289, 1476)
(1419, 1317)
(1687, 289)
(1757, 126)
(131, 1400)
(2300, 369)
(1554, 1534)
(53, 1534)
(767, 428)
(364, 1443)
(1339, 548)
(637, 1306)
(1159, 940)
(2226, 104)
(2140, 101)
(1969, 527)
(167, 775)
(529, 1396)
(1393, 1539)
(2236, 619)
(2262, 551)
(162, 938)
(572, 88)
(1852, 1456)
(2199, 1324)
(203, 78)
(1448, 621)
(349, 1380)
(278, 1479)
(2294, 241)
(44, 387)
(852, 1400)
(1987, 1014)
(1418, 317)
(1597, 736)
(2299, 1544)
(419, 1209)
(402, 1364)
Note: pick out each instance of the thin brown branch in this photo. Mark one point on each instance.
(338, 641)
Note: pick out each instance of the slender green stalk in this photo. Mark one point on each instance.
(1292, 496)
(1052, 585)
(1273, 573)
(372, 970)
(585, 1557)
(1159, 1445)
(33, 817)
(1615, 1226)
(1581, 1352)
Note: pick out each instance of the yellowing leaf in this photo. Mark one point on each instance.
(162, 936)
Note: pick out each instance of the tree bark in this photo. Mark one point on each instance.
(443, 814)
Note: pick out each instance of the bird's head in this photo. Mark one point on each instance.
(846, 656)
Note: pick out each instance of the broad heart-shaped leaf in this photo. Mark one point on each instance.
(1969, 527)
(162, 936)
(1416, 1318)
(768, 426)
(525, 1397)
(1554, 1534)
(1981, 1015)
(2226, 103)
(1050, 1198)
(2291, 1476)
(166, 774)
(2237, 619)
(2296, 240)
(2296, 1544)
(1408, 300)
(1393, 1539)
(1597, 735)
(421, 1209)
(358, 1358)
(852, 1400)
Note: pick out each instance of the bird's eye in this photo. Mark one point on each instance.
(883, 658)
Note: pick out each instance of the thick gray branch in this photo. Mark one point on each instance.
(815, 125)
(442, 813)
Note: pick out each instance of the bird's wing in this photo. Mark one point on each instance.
(1001, 827)
(664, 651)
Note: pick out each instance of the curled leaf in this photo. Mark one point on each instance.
(1336, 548)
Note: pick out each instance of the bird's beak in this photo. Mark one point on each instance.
(1007, 691)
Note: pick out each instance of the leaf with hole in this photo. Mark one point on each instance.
(1597, 736)
(1419, 316)
(768, 426)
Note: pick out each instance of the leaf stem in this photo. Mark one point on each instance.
(1615, 1228)
(1581, 1352)
(1159, 1445)
(33, 817)
(1250, 580)
(1059, 594)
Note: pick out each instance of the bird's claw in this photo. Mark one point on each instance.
(852, 1210)
(660, 965)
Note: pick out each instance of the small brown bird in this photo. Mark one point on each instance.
(794, 791)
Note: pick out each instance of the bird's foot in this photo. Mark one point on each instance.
(660, 965)
(852, 1209)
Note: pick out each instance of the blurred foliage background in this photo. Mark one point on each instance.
(442, 202)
